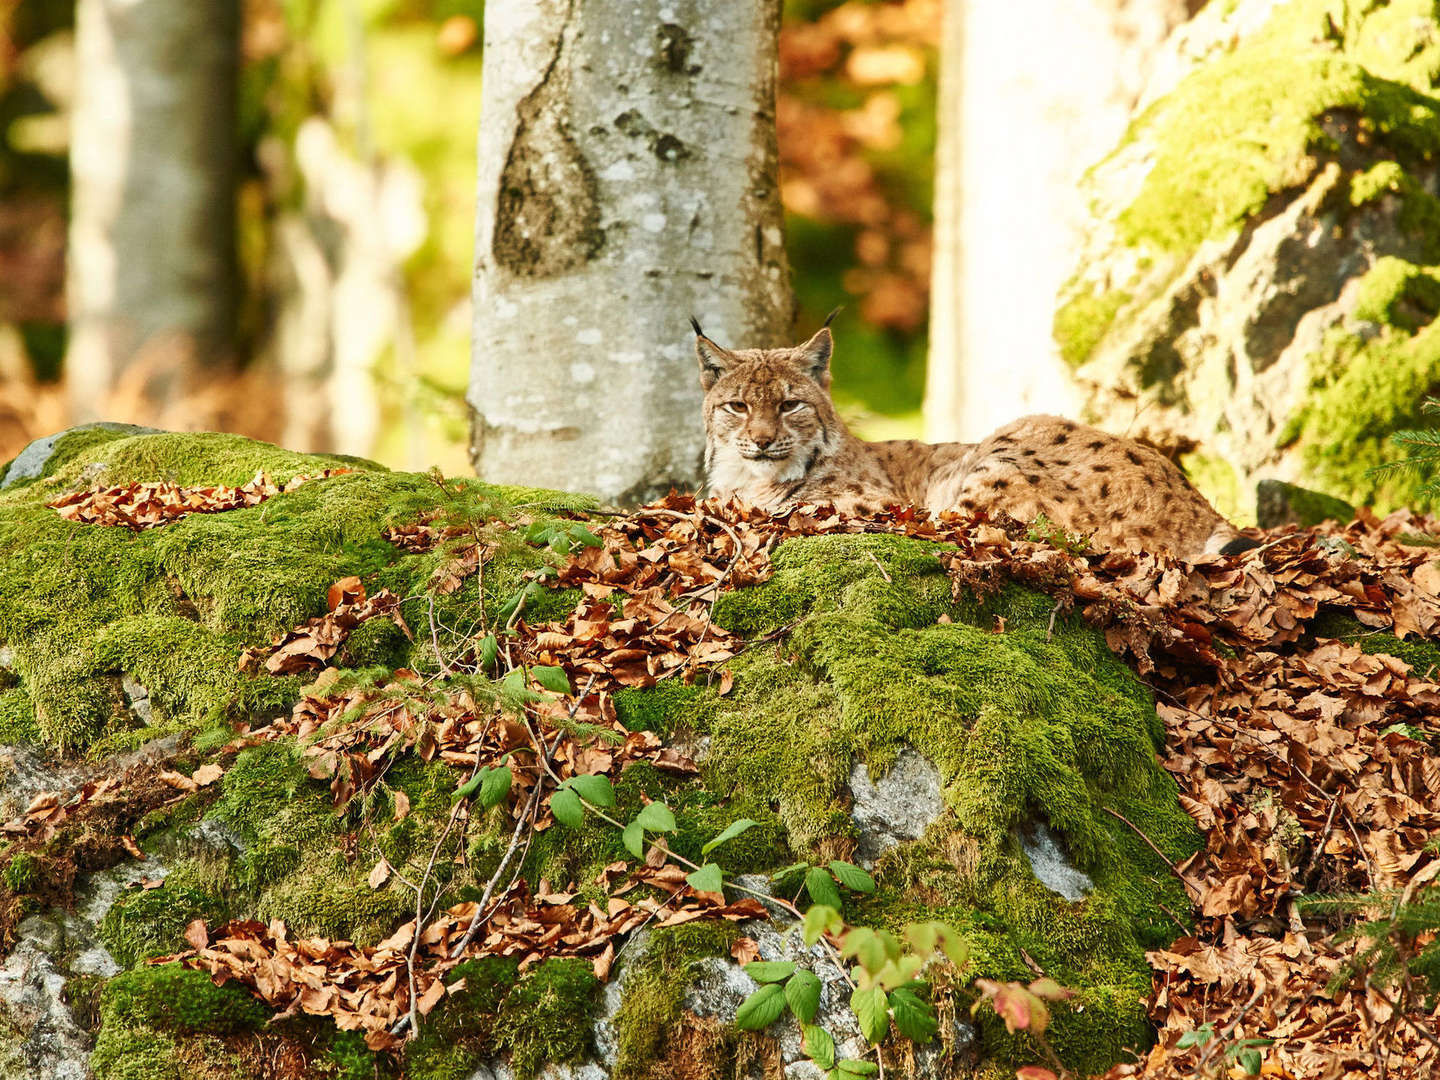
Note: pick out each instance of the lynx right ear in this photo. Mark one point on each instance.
(714, 361)
(816, 354)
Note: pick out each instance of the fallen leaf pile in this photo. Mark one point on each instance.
(149, 505)
(1303, 759)
(369, 988)
(457, 731)
(311, 645)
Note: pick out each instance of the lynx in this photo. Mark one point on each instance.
(774, 440)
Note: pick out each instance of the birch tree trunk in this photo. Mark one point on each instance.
(627, 181)
(1032, 93)
(151, 278)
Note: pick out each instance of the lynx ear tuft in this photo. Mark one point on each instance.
(829, 318)
(714, 361)
(815, 355)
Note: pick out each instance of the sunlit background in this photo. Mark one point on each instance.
(357, 200)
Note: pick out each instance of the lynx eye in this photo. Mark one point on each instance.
(738, 407)
(791, 406)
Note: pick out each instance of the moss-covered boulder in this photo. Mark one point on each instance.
(1262, 270)
(1016, 728)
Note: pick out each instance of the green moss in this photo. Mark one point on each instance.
(659, 708)
(1362, 391)
(1081, 322)
(457, 1036)
(178, 999)
(651, 1010)
(160, 1023)
(1031, 724)
(22, 873)
(294, 862)
(1419, 215)
(546, 1017)
(1249, 123)
(172, 607)
(1398, 293)
(18, 726)
(1422, 656)
(151, 922)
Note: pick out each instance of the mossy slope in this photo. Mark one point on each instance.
(1027, 722)
(1291, 176)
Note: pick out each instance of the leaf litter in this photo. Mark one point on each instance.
(1304, 760)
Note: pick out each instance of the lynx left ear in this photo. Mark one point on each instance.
(815, 354)
(713, 359)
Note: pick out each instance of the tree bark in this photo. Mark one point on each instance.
(1032, 93)
(151, 279)
(627, 181)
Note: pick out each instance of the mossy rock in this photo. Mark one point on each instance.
(1261, 277)
(1025, 715)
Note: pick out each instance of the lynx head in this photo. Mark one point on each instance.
(768, 415)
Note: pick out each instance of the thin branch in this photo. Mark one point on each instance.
(1190, 886)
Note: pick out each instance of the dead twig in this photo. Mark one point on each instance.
(1190, 886)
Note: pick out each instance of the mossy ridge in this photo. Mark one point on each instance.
(1023, 724)
(651, 1011)
(172, 607)
(1083, 320)
(1249, 124)
(166, 1023)
(1361, 392)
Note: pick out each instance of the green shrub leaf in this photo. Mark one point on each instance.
(821, 887)
(852, 877)
(709, 878)
(567, 808)
(595, 790)
(634, 839)
(819, 919)
(914, 1017)
(802, 991)
(656, 817)
(734, 829)
(553, 679)
(768, 971)
(494, 785)
(760, 1009)
(819, 1046)
(871, 1009)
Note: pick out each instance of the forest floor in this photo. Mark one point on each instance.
(1294, 682)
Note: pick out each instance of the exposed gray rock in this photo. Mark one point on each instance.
(899, 806)
(722, 985)
(31, 461)
(24, 773)
(52, 1045)
(138, 698)
(1278, 503)
(1052, 866)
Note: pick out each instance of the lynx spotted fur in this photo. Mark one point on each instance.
(773, 439)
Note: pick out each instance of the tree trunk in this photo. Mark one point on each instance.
(153, 157)
(1032, 93)
(627, 181)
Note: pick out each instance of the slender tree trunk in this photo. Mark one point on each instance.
(627, 181)
(1032, 93)
(152, 281)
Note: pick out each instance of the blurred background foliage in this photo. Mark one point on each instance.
(392, 88)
